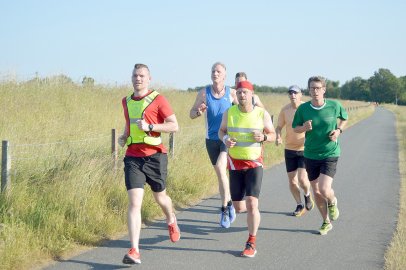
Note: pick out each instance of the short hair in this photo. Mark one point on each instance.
(218, 64)
(241, 74)
(317, 79)
(139, 66)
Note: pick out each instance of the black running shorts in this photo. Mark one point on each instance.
(294, 160)
(151, 170)
(245, 183)
(325, 166)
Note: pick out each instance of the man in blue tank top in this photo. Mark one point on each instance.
(213, 101)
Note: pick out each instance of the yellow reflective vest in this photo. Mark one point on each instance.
(240, 126)
(135, 110)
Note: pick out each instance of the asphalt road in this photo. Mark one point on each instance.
(366, 185)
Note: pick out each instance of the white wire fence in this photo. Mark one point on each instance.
(39, 157)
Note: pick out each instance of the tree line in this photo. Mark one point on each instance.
(382, 87)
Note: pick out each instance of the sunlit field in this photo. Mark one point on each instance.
(64, 191)
(395, 256)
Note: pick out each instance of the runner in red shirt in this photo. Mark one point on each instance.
(147, 114)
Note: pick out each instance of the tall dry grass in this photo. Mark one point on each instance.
(395, 256)
(64, 193)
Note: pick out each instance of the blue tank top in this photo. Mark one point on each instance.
(215, 109)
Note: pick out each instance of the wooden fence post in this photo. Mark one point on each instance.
(171, 144)
(114, 150)
(5, 165)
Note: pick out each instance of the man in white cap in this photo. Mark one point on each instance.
(294, 146)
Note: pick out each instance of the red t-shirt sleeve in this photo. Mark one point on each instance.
(164, 108)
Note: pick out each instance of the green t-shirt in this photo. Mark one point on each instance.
(324, 120)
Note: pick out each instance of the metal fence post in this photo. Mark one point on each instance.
(114, 150)
(5, 165)
(171, 144)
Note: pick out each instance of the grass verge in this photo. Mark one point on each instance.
(395, 255)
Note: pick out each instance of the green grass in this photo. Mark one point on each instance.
(64, 193)
(395, 256)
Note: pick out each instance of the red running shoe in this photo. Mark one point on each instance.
(132, 257)
(174, 231)
(249, 250)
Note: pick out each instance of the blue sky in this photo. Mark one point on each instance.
(277, 43)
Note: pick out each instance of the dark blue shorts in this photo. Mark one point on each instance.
(214, 148)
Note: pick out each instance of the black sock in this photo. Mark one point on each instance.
(229, 203)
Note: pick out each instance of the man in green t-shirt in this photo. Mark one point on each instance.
(318, 118)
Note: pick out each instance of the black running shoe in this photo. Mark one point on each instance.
(299, 210)
(309, 203)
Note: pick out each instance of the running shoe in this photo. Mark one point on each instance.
(225, 218)
(231, 211)
(132, 257)
(333, 212)
(299, 210)
(174, 231)
(249, 250)
(325, 228)
(309, 203)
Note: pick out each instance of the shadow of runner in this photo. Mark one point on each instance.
(289, 230)
(198, 229)
(98, 266)
(277, 213)
(187, 249)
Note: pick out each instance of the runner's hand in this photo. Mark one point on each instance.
(122, 139)
(229, 142)
(308, 125)
(142, 125)
(334, 135)
(202, 108)
(258, 136)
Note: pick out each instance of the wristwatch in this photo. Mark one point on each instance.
(341, 131)
(150, 127)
